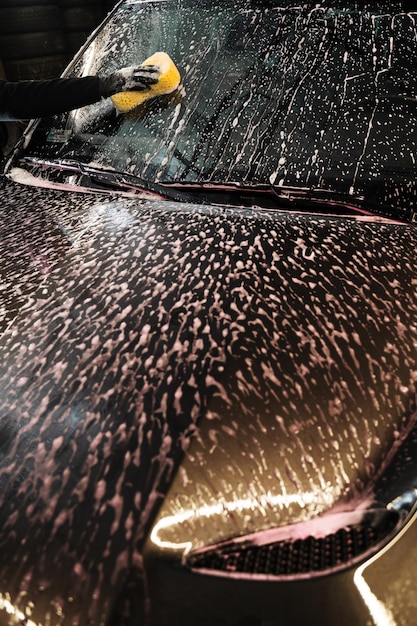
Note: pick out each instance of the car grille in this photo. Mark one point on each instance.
(300, 557)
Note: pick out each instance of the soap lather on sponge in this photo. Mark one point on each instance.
(168, 81)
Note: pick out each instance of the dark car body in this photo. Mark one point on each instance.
(208, 368)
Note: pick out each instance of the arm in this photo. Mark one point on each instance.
(25, 100)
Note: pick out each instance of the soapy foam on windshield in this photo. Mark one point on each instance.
(168, 82)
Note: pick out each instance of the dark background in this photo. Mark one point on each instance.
(38, 38)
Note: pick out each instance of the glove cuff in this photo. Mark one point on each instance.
(110, 85)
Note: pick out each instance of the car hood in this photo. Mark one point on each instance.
(258, 366)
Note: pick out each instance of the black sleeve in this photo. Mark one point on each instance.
(24, 100)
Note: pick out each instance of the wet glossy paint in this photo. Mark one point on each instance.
(278, 349)
(177, 376)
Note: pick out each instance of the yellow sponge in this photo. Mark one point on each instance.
(168, 82)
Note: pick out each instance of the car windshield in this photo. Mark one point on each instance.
(310, 95)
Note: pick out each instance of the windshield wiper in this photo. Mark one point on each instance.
(69, 173)
(296, 199)
(355, 203)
